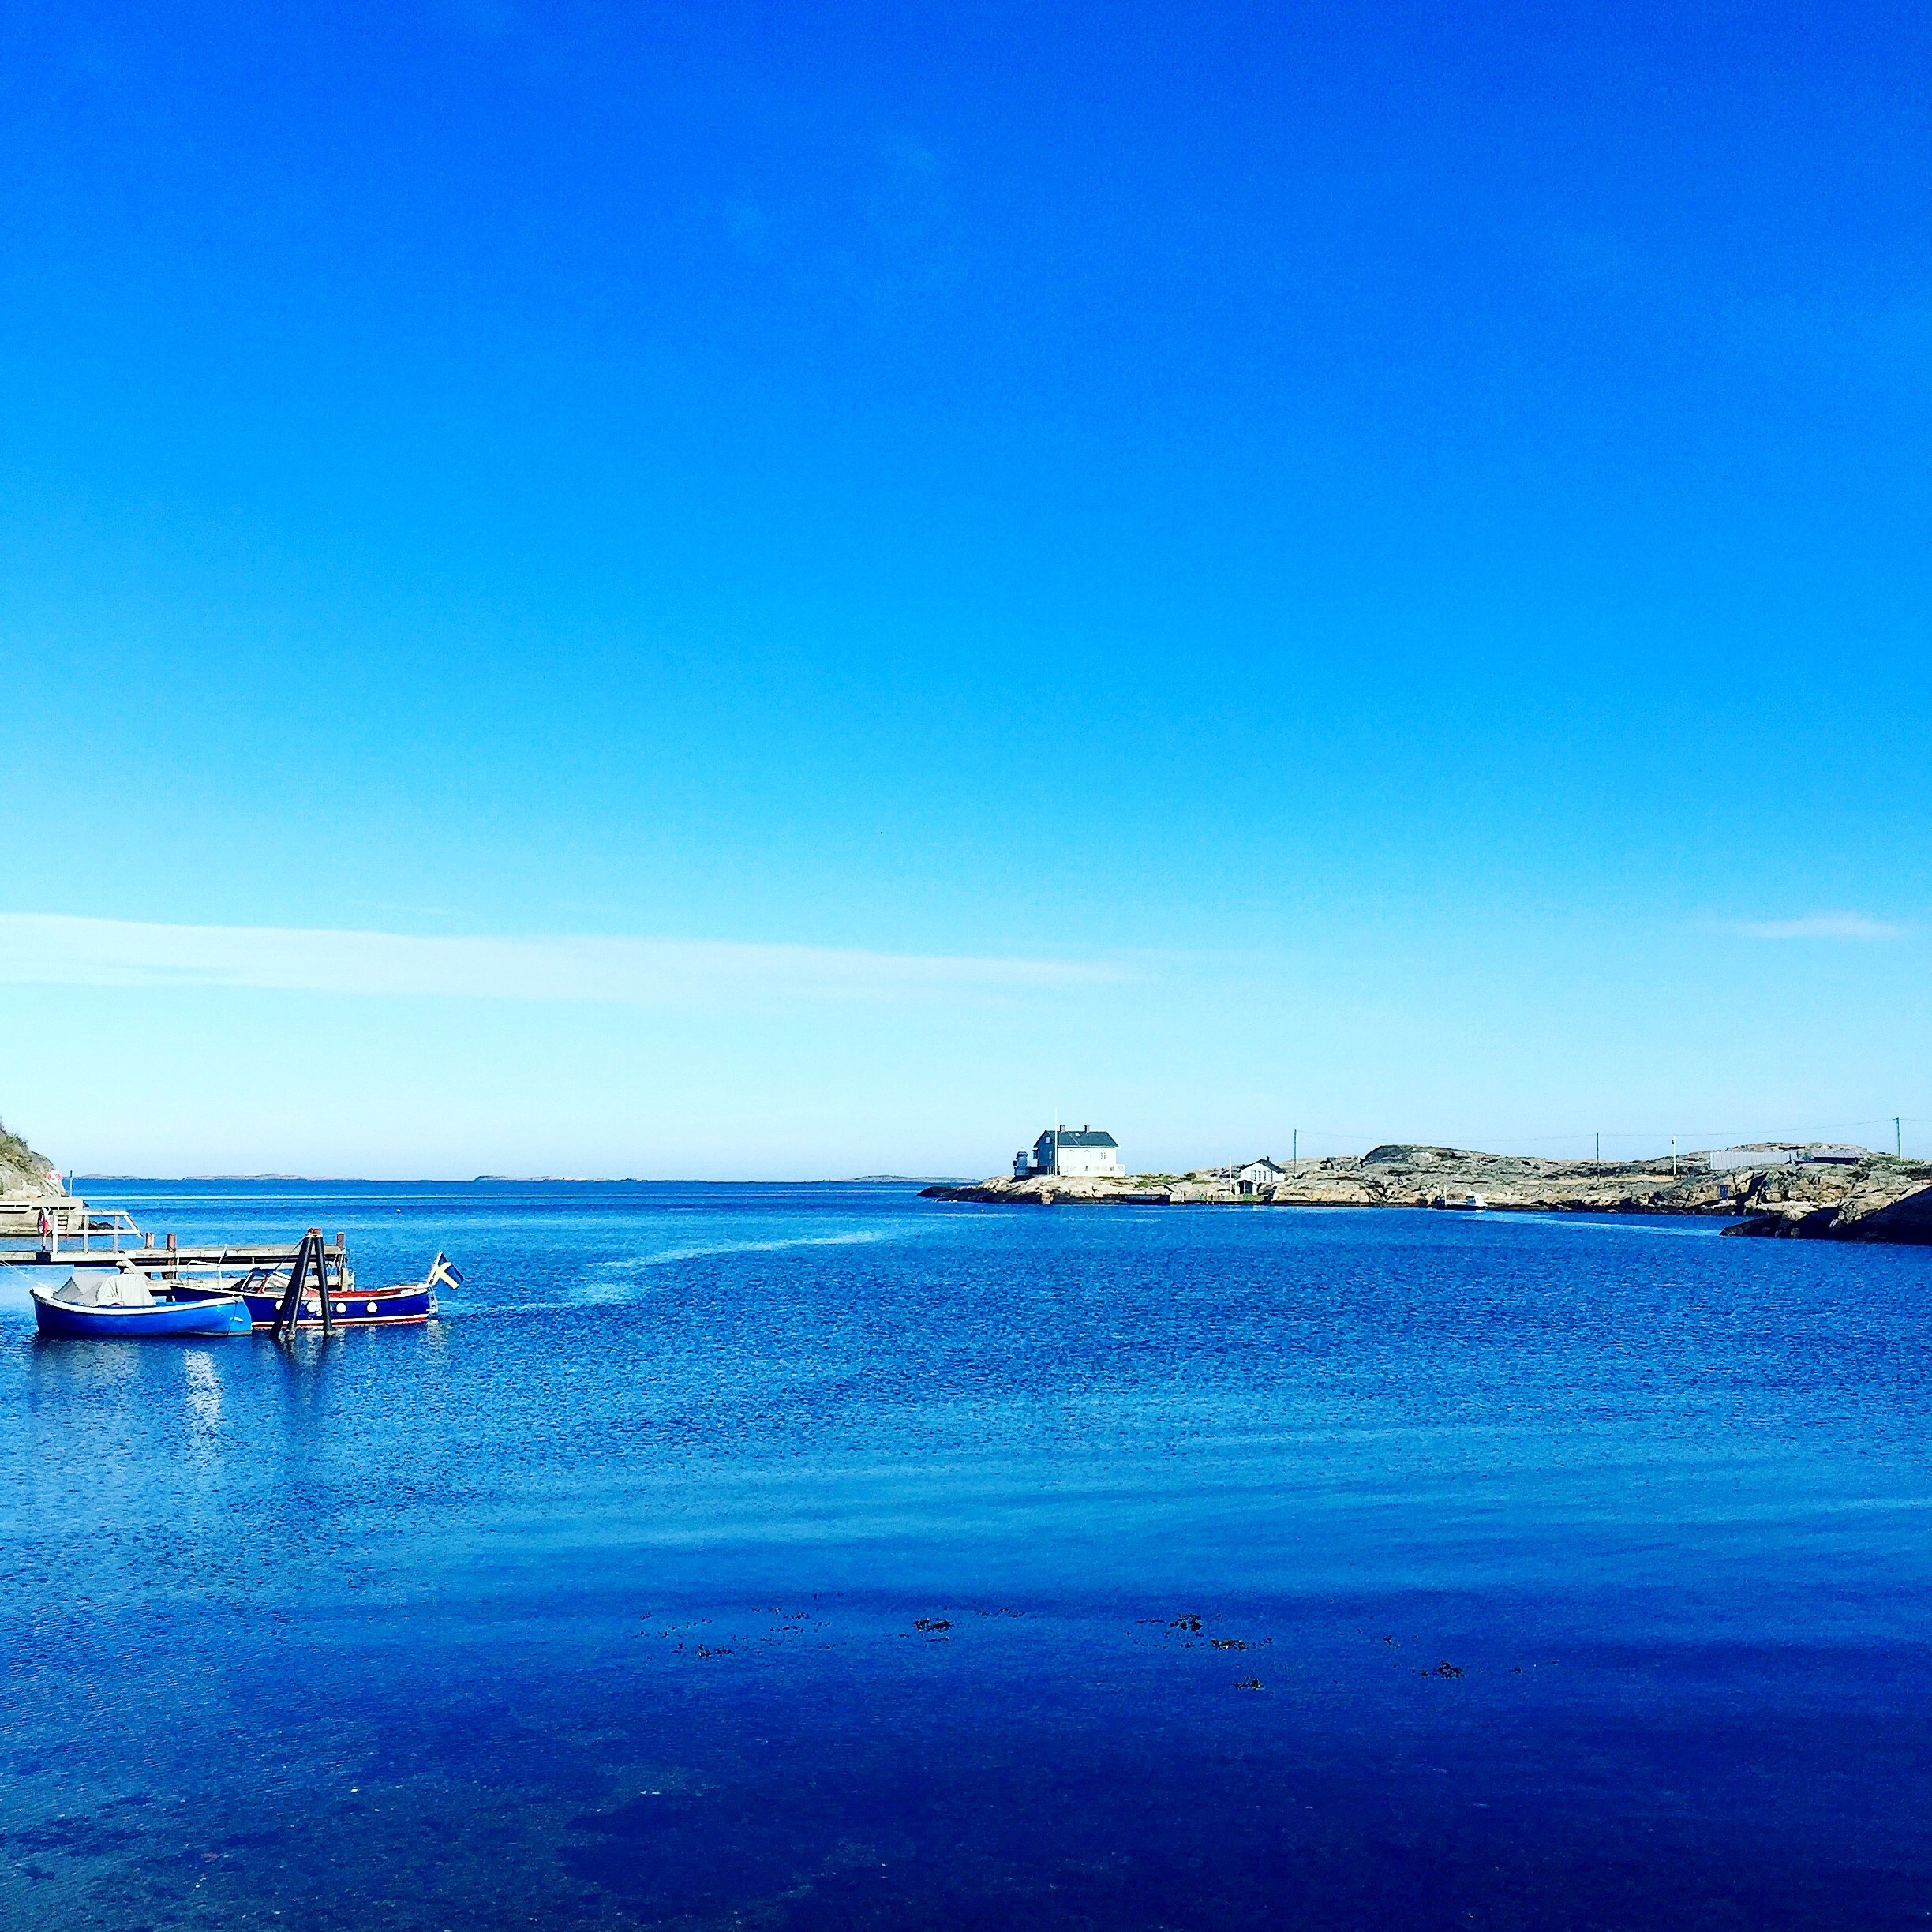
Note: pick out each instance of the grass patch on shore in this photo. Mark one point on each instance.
(15, 1152)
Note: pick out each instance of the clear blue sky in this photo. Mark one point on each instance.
(1362, 568)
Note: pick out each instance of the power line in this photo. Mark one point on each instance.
(1663, 1138)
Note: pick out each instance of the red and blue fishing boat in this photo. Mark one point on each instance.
(264, 1291)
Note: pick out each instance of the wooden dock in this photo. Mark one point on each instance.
(74, 1234)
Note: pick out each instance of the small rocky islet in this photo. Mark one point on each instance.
(1795, 1191)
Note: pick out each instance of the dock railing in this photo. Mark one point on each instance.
(69, 1220)
(106, 1237)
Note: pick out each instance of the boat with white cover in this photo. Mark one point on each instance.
(123, 1304)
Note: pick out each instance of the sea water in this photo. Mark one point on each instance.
(804, 1557)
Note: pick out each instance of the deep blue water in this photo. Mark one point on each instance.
(799, 1557)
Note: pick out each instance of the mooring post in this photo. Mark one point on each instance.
(290, 1306)
(308, 1259)
(322, 1280)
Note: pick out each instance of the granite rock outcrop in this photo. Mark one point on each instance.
(1867, 1199)
(23, 1171)
(1892, 1204)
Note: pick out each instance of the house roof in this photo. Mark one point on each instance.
(1081, 1137)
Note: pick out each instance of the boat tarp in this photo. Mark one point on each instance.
(116, 1289)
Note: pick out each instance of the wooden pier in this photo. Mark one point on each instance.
(61, 1229)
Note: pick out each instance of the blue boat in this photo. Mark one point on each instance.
(261, 1291)
(121, 1304)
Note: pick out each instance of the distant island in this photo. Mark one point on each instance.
(1805, 1190)
(906, 1179)
(1808, 1190)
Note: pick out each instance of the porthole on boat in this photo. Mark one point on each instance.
(370, 1306)
(340, 1309)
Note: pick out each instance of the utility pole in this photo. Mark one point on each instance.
(1600, 1150)
(1898, 1135)
(1297, 1155)
(1673, 1157)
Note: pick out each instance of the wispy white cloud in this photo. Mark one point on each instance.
(54, 950)
(1822, 925)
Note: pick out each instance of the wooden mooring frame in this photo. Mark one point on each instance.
(310, 1266)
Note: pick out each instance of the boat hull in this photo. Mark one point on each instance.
(363, 1308)
(357, 1308)
(216, 1315)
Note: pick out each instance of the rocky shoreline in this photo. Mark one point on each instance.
(1876, 1198)
(22, 1171)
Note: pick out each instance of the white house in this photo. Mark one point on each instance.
(1069, 1151)
(1256, 1175)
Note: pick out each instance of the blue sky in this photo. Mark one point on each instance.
(1212, 570)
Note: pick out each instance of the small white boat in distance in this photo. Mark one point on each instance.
(1470, 1202)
